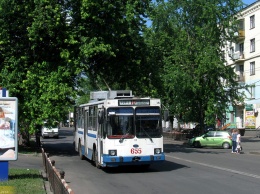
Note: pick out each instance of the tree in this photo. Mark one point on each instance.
(189, 37)
(112, 46)
(35, 62)
(46, 46)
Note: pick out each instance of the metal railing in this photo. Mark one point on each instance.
(56, 179)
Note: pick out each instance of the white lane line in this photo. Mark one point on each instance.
(217, 167)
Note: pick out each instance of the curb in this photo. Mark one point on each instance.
(46, 184)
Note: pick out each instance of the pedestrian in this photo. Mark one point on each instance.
(239, 147)
(234, 140)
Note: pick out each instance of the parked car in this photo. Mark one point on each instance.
(50, 131)
(212, 139)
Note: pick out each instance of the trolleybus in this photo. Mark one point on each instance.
(115, 128)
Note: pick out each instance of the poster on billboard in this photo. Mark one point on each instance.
(8, 128)
(250, 119)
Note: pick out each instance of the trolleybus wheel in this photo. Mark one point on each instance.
(96, 159)
(81, 156)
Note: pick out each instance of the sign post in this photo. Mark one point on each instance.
(8, 132)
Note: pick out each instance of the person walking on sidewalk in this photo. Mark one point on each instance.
(238, 150)
(234, 140)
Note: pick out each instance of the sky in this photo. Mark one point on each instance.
(248, 2)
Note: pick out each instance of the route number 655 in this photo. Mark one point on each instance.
(136, 151)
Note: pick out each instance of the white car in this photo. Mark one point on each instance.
(50, 132)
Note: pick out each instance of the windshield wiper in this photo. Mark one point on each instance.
(147, 135)
(123, 136)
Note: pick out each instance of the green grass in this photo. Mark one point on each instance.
(23, 181)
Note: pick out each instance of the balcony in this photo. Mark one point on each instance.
(240, 35)
(237, 56)
(240, 77)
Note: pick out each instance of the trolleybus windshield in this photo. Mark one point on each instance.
(148, 122)
(120, 123)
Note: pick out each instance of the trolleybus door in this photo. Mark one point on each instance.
(86, 132)
(99, 143)
(100, 134)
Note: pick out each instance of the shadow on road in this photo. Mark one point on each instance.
(158, 167)
(60, 147)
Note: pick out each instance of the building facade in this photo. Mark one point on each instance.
(244, 56)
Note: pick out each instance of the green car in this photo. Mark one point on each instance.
(212, 139)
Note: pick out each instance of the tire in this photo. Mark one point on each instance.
(74, 145)
(197, 144)
(81, 156)
(226, 145)
(96, 159)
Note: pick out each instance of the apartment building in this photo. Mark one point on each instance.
(244, 56)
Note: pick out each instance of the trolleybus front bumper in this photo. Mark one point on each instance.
(111, 161)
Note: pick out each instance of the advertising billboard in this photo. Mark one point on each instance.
(8, 128)
(250, 120)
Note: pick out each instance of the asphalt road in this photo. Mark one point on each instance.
(186, 170)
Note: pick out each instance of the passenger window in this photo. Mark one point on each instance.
(219, 134)
(210, 134)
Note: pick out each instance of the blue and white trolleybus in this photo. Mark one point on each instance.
(115, 128)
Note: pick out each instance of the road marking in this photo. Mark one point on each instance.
(217, 167)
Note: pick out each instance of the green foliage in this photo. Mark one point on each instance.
(52, 52)
(46, 47)
(112, 46)
(188, 37)
(34, 65)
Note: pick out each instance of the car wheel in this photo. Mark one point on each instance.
(196, 144)
(226, 145)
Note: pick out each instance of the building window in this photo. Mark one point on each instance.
(252, 68)
(241, 68)
(252, 92)
(252, 45)
(241, 73)
(241, 50)
(252, 21)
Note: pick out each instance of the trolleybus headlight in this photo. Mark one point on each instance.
(112, 152)
(157, 150)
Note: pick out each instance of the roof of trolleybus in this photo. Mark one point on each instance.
(125, 102)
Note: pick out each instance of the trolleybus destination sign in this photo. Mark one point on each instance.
(134, 102)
